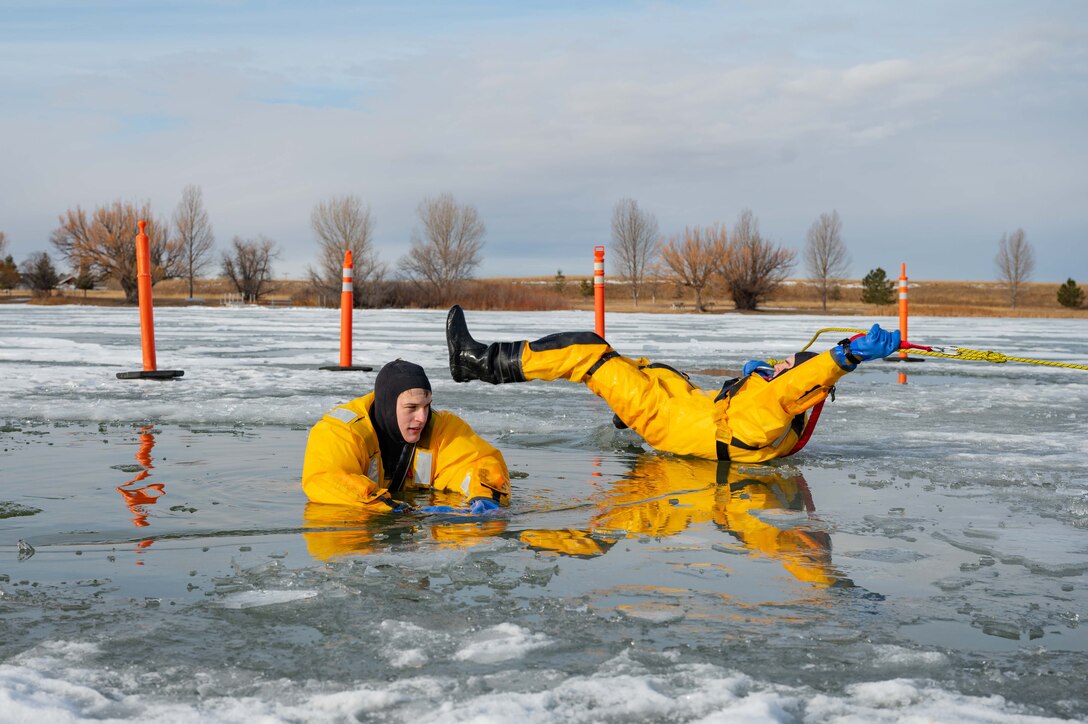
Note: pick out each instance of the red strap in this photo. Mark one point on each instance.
(813, 417)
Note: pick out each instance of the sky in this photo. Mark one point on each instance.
(933, 128)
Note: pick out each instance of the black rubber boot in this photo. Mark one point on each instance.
(497, 363)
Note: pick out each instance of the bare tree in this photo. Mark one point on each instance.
(248, 266)
(342, 223)
(634, 243)
(753, 267)
(695, 256)
(85, 279)
(1015, 263)
(825, 253)
(448, 249)
(105, 244)
(39, 274)
(194, 233)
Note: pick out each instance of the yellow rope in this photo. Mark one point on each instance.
(961, 353)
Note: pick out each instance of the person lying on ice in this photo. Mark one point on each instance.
(365, 451)
(760, 416)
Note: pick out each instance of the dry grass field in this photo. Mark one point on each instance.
(799, 296)
(927, 298)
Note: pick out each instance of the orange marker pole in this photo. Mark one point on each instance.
(143, 286)
(347, 303)
(903, 308)
(147, 317)
(598, 288)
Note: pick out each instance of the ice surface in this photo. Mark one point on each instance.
(256, 599)
(930, 565)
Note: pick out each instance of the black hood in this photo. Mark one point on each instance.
(393, 379)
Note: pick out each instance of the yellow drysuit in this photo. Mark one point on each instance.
(756, 421)
(343, 465)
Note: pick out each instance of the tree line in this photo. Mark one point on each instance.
(98, 245)
(750, 267)
(445, 251)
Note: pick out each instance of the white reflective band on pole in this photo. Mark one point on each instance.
(347, 273)
(902, 295)
(346, 287)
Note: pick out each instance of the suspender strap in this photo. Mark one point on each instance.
(404, 462)
(813, 418)
(604, 358)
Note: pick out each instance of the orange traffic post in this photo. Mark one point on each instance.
(147, 318)
(347, 303)
(903, 356)
(598, 288)
(903, 307)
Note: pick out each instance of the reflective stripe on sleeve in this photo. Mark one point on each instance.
(342, 414)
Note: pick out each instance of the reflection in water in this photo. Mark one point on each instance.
(337, 530)
(136, 498)
(660, 497)
(663, 496)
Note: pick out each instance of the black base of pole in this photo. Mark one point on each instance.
(352, 368)
(151, 375)
(904, 359)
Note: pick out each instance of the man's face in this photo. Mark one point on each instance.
(413, 407)
(783, 365)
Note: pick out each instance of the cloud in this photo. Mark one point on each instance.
(544, 121)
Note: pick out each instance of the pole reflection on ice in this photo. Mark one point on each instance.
(136, 498)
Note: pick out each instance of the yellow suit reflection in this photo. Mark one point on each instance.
(337, 530)
(663, 496)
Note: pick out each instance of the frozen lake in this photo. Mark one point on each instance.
(924, 558)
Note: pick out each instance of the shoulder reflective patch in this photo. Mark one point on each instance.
(466, 484)
(424, 464)
(342, 414)
(372, 470)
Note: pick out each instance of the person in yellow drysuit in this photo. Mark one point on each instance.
(758, 417)
(664, 496)
(374, 447)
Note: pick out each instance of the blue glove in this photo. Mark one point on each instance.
(757, 365)
(441, 509)
(476, 506)
(482, 506)
(877, 344)
(397, 506)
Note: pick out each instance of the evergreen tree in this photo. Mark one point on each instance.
(9, 274)
(39, 274)
(876, 288)
(1070, 295)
